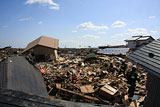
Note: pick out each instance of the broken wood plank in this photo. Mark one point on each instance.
(108, 91)
(126, 101)
(87, 89)
(81, 95)
(50, 90)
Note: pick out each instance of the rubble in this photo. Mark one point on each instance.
(80, 75)
(8, 51)
(85, 78)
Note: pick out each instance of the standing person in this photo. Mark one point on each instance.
(105, 66)
(132, 77)
(123, 68)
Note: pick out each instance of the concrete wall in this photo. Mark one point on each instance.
(153, 88)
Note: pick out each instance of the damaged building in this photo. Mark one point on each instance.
(79, 76)
(42, 49)
(149, 58)
(138, 41)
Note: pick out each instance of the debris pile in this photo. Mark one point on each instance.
(8, 51)
(90, 79)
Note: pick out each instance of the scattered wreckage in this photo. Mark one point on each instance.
(88, 78)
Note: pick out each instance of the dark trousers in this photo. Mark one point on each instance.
(131, 92)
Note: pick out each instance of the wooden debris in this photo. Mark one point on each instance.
(81, 95)
(76, 79)
(87, 89)
(126, 101)
(108, 91)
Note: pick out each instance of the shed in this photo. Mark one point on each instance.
(43, 49)
(149, 58)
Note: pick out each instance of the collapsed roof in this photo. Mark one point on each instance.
(12, 98)
(16, 73)
(43, 41)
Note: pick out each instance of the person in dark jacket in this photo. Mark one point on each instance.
(123, 68)
(132, 77)
(111, 68)
(105, 66)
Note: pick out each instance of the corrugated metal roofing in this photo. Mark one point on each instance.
(43, 41)
(113, 51)
(18, 74)
(148, 56)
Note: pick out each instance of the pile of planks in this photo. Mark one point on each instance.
(81, 80)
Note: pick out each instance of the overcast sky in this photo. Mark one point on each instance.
(77, 23)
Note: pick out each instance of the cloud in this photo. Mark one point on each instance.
(5, 26)
(101, 32)
(152, 17)
(50, 3)
(91, 26)
(26, 19)
(120, 35)
(133, 32)
(40, 22)
(138, 31)
(68, 41)
(118, 24)
(154, 32)
(55, 8)
(74, 31)
(91, 36)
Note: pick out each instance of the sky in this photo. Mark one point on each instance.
(77, 23)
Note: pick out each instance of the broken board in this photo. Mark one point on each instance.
(87, 89)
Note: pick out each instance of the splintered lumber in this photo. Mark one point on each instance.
(81, 95)
(126, 101)
(50, 90)
(58, 85)
(108, 91)
(104, 58)
(87, 89)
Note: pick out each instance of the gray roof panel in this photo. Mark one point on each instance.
(19, 74)
(141, 56)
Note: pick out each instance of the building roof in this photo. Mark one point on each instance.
(12, 98)
(116, 46)
(17, 73)
(148, 57)
(43, 41)
(132, 39)
(113, 51)
(138, 38)
(144, 38)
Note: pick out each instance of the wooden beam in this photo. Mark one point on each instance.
(81, 95)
